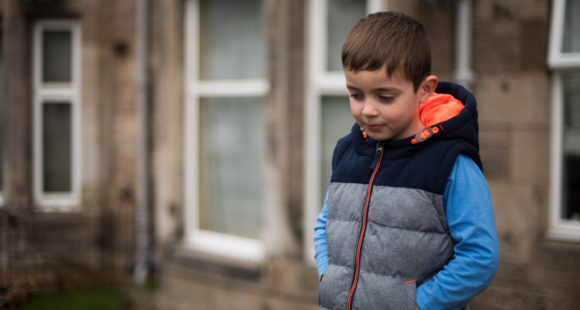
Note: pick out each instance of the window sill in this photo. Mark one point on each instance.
(564, 231)
(226, 247)
(215, 264)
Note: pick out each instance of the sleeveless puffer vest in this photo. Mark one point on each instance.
(387, 230)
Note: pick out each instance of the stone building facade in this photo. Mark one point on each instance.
(243, 104)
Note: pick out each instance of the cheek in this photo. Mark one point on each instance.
(397, 116)
(393, 114)
(404, 111)
(355, 109)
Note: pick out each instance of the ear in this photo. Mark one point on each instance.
(427, 87)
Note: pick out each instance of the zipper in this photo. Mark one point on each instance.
(363, 229)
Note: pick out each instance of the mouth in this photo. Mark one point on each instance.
(374, 127)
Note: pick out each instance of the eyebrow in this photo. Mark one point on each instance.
(380, 89)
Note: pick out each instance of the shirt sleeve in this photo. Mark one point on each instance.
(320, 251)
(472, 225)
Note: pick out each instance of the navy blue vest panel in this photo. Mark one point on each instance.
(425, 165)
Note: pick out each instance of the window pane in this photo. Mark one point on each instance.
(336, 123)
(1, 111)
(231, 161)
(57, 56)
(56, 144)
(342, 15)
(231, 40)
(571, 42)
(571, 182)
(571, 195)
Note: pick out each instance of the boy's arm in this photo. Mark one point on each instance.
(320, 251)
(472, 225)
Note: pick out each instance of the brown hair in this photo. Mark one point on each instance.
(392, 40)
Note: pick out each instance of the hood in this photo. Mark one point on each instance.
(463, 126)
(450, 114)
(439, 108)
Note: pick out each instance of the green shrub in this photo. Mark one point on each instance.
(95, 299)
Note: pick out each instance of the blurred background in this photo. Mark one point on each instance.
(174, 154)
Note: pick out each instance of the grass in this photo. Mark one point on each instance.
(107, 298)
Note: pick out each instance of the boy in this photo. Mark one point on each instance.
(407, 222)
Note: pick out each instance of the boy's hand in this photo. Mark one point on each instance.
(417, 307)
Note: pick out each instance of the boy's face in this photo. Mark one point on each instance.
(385, 107)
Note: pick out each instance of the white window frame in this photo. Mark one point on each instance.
(233, 247)
(556, 58)
(559, 228)
(57, 92)
(319, 82)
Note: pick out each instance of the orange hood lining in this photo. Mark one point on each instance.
(439, 108)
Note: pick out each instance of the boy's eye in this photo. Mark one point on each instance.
(386, 98)
(356, 96)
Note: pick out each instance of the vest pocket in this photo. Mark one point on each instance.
(334, 287)
(406, 293)
(384, 292)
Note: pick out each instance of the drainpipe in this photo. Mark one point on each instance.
(463, 72)
(142, 216)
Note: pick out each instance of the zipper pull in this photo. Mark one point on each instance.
(378, 155)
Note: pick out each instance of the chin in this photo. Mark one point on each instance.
(380, 137)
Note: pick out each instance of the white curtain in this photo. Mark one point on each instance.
(231, 128)
(231, 40)
(232, 157)
(342, 15)
(336, 123)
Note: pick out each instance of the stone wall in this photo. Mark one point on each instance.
(513, 91)
(513, 86)
(100, 231)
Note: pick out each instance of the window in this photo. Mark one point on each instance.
(564, 60)
(225, 138)
(1, 123)
(56, 115)
(327, 110)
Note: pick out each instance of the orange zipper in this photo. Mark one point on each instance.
(362, 232)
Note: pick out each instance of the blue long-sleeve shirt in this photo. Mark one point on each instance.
(471, 223)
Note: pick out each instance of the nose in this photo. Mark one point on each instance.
(369, 108)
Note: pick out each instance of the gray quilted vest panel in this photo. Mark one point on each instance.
(406, 242)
